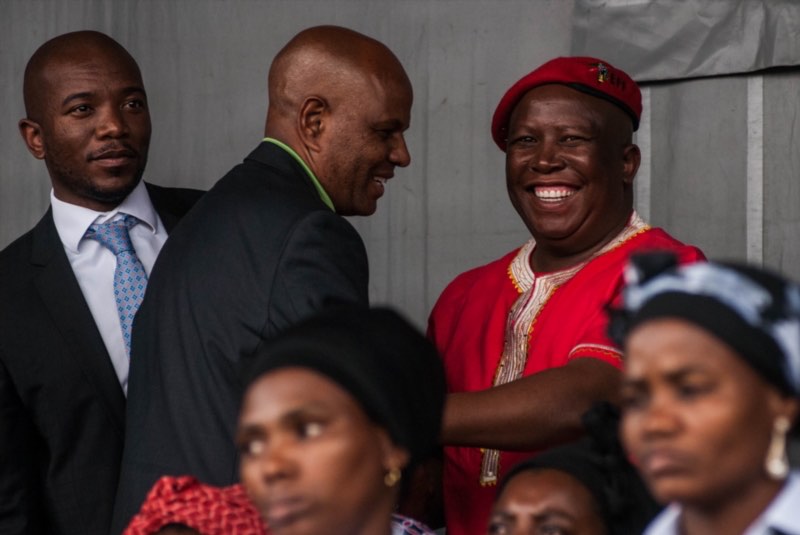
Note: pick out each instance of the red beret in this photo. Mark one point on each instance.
(588, 75)
(206, 509)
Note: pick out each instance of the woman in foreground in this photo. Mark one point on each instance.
(711, 391)
(336, 412)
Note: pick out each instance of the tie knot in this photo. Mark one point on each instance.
(113, 235)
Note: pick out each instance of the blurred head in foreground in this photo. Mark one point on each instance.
(583, 488)
(712, 376)
(335, 412)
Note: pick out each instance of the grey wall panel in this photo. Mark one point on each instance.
(782, 172)
(698, 188)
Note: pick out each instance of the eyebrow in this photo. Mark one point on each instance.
(671, 376)
(687, 371)
(88, 94)
(312, 409)
(538, 516)
(550, 513)
(248, 431)
(76, 96)
(134, 89)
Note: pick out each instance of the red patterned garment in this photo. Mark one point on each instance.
(502, 321)
(206, 509)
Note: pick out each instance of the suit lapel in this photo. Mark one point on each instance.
(163, 207)
(59, 290)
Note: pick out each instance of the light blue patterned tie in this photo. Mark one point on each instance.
(130, 278)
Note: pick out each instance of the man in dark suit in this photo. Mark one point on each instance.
(63, 352)
(266, 247)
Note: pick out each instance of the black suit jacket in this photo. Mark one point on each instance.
(62, 408)
(259, 252)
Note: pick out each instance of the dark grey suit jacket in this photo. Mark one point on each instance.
(61, 405)
(258, 253)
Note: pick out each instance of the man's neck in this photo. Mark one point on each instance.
(314, 180)
(546, 259)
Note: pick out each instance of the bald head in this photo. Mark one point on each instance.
(342, 101)
(72, 47)
(327, 61)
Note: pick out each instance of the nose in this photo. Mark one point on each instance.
(399, 155)
(546, 158)
(276, 461)
(111, 122)
(660, 418)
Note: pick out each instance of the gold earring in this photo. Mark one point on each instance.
(392, 477)
(777, 463)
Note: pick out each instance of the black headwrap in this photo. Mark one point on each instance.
(755, 312)
(388, 366)
(600, 464)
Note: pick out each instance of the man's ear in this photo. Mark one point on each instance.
(311, 121)
(631, 158)
(32, 135)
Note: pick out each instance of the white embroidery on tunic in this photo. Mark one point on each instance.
(595, 348)
(535, 292)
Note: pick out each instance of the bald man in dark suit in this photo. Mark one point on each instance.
(265, 248)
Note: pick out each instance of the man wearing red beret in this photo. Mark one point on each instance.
(524, 338)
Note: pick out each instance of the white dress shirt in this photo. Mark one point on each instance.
(94, 265)
(782, 514)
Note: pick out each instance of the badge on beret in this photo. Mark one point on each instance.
(602, 73)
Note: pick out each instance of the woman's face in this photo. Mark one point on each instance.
(545, 502)
(311, 460)
(697, 419)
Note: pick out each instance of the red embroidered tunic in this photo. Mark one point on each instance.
(501, 321)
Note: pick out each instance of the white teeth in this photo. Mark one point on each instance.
(553, 194)
(379, 180)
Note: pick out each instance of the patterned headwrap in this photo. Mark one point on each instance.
(754, 311)
(206, 509)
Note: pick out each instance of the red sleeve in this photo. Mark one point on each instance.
(595, 342)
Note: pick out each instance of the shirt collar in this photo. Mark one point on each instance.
(72, 221)
(782, 512)
(666, 523)
(523, 276)
(320, 190)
